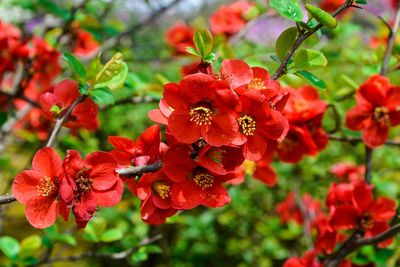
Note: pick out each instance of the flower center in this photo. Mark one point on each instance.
(201, 115)
(163, 190)
(46, 187)
(204, 180)
(256, 84)
(381, 115)
(83, 185)
(366, 221)
(247, 125)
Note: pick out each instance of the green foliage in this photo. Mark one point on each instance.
(9, 246)
(102, 96)
(311, 79)
(290, 9)
(308, 59)
(322, 16)
(76, 65)
(285, 42)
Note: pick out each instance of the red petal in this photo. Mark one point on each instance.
(266, 175)
(47, 162)
(186, 195)
(362, 196)
(375, 135)
(149, 142)
(182, 128)
(378, 228)
(121, 143)
(41, 212)
(111, 196)
(236, 72)
(215, 197)
(344, 217)
(222, 131)
(383, 209)
(255, 147)
(177, 163)
(66, 92)
(25, 185)
(357, 116)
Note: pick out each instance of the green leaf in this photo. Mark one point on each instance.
(193, 51)
(3, 117)
(76, 65)
(322, 16)
(285, 41)
(55, 9)
(102, 96)
(112, 235)
(210, 58)
(139, 256)
(311, 79)
(306, 59)
(361, 2)
(114, 77)
(9, 246)
(203, 40)
(290, 9)
(83, 88)
(30, 245)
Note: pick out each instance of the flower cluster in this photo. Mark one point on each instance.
(349, 206)
(377, 110)
(54, 186)
(230, 19)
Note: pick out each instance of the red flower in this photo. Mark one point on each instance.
(304, 110)
(221, 160)
(308, 260)
(376, 111)
(54, 104)
(327, 236)
(202, 107)
(258, 124)
(38, 189)
(348, 171)
(193, 185)
(289, 209)
(264, 172)
(331, 5)
(179, 36)
(364, 212)
(228, 19)
(90, 183)
(196, 67)
(146, 150)
(154, 189)
(85, 45)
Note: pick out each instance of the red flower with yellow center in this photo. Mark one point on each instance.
(202, 107)
(89, 183)
(377, 109)
(39, 188)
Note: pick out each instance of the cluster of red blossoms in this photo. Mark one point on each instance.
(350, 205)
(377, 110)
(54, 186)
(43, 68)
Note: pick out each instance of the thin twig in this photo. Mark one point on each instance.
(391, 232)
(390, 44)
(282, 69)
(115, 256)
(132, 100)
(134, 171)
(356, 140)
(6, 199)
(61, 120)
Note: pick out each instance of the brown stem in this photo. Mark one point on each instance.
(133, 171)
(356, 140)
(282, 69)
(114, 256)
(6, 199)
(61, 120)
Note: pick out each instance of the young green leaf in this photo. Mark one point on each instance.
(285, 41)
(322, 16)
(311, 79)
(361, 2)
(290, 9)
(193, 51)
(75, 65)
(112, 235)
(203, 40)
(30, 245)
(114, 78)
(102, 96)
(9, 246)
(306, 59)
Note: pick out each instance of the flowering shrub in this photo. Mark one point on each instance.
(208, 112)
